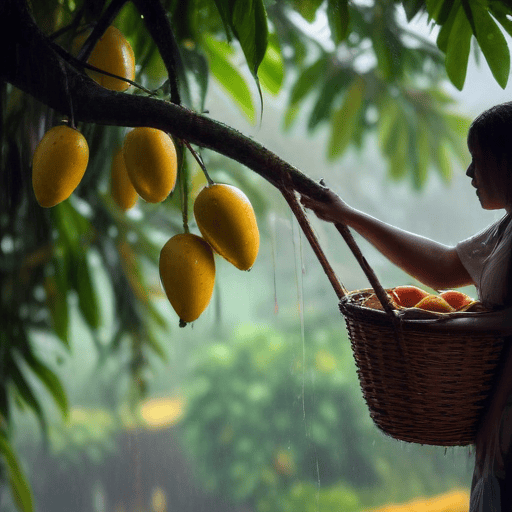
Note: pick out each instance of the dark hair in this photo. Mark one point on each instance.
(491, 131)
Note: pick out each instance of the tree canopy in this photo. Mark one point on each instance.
(369, 73)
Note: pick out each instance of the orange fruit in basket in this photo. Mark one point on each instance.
(408, 295)
(456, 299)
(435, 303)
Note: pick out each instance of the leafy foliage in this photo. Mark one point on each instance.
(267, 419)
(249, 398)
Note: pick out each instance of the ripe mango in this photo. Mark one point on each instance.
(112, 53)
(151, 161)
(58, 164)
(435, 303)
(121, 187)
(187, 272)
(456, 299)
(227, 222)
(408, 295)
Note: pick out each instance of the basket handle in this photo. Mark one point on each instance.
(381, 295)
(303, 221)
(339, 288)
(370, 274)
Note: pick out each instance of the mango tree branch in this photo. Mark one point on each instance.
(32, 65)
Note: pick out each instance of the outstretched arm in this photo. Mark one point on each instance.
(435, 265)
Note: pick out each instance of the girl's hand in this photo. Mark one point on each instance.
(330, 209)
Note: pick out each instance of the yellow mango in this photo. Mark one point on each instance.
(121, 187)
(187, 272)
(227, 222)
(151, 161)
(114, 54)
(58, 164)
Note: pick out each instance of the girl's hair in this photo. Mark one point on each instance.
(491, 131)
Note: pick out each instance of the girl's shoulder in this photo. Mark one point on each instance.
(489, 235)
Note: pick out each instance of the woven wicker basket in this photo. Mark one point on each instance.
(420, 386)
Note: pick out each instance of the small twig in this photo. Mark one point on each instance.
(199, 160)
(71, 110)
(70, 26)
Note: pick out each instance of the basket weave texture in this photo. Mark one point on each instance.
(421, 387)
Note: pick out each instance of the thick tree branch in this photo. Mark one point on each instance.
(33, 66)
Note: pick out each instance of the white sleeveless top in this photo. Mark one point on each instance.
(486, 257)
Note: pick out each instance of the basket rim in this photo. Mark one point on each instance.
(414, 318)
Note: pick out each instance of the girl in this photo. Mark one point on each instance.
(482, 260)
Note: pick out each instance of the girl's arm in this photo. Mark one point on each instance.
(435, 265)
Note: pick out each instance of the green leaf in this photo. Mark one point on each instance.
(333, 86)
(339, 18)
(346, 118)
(503, 14)
(446, 28)
(56, 286)
(306, 82)
(224, 8)
(492, 42)
(421, 151)
(439, 10)
(49, 380)
(442, 162)
(388, 114)
(458, 124)
(27, 394)
(218, 54)
(398, 144)
(413, 7)
(156, 316)
(74, 228)
(153, 342)
(247, 20)
(457, 52)
(4, 404)
(249, 24)
(271, 71)
(85, 288)
(456, 135)
(20, 487)
(386, 47)
(307, 8)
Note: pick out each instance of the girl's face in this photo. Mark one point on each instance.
(490, 198)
